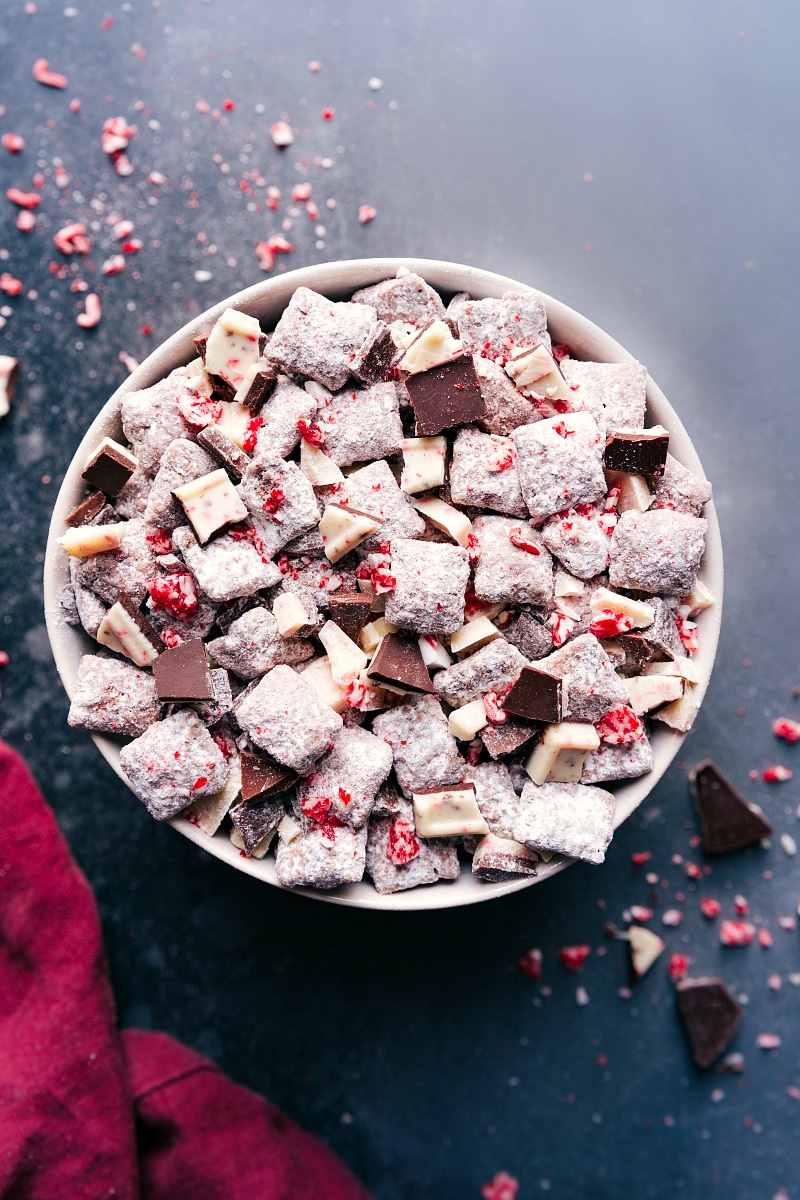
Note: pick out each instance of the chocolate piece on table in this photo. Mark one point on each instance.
(87, 510)
(638, 651)
(536, 695)
(262, 776)
(638, 452)
(399, 663)
(182, 673)
(109, 467)
(508, 737)
(727, 821)
(445, 396)
(350, 611)
(234, 460)
(710, 1016)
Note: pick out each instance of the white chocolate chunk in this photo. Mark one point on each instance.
(493, 844)
(317, 467)
(699, 598)
(343, 530)
(319, 678)
(476, 633)
(681, 713)
(465, 722)
(535, 371)
(435, 345)
(433, 652)
(373, 634)
(648, 691)
(235, 421)
(119, 627)
(450, 811)
(208, 811)
(423, 463)
(288, 829)
(93, 539)
(555, 741)
(290, 613)
(197, 380)
(119, 451)
(634, 494)
(605, 603)
(233, 346)
(258, 851)
(320, 393)
(443, 516)
(345, 658)
(567, 585)
(646, 948)
(211, 502)
(683, 668)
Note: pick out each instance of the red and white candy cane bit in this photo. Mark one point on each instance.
(13, 143)
(366, 213)
(42, 74)
(93, 313)
(72, 239)
(493, 705)
(620, 726)
(13, 287)
(25, 221)
(518, 538)
(736, 933)
(562, 628)
(782, 727)
(23, 199)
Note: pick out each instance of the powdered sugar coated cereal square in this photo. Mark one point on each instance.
(113, 697)
(361, 423)
(323, 857)
(279, 431)
(283, 716)
(680, 489)
(618, 762)
(506, 571)
(566, 818)
(483, 472)
(226, 568)
(172, 763)
(181, 462)
(579, 543)
(657, 551)
(489, 669)
(425, 751)
(374, 490)
(614, 393)
(593, 686)
(506, 408)
(347, 778)
(280, 501)
(151, 418)
(495, 328)
(560, 463)
(406, 297)
(325, 340)
(430, 582)
(252, 646)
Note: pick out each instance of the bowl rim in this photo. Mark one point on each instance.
(338, 280)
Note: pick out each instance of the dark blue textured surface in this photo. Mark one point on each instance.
(637, 161)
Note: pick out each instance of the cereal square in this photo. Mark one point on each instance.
(361, 423)
(566, 818)
(316, 579)
(325, 856)
(252, 645)
(374, 490)
(425, 751)
(226, 568)
(113, 697)
(283, 716)
(126, 569)
(432, 858)
(489, 669)
(322, 339)
(406, 297)
(495, 796)
(593, 686)
(560, 463)
(346, 779)
(614, 393)
(579, 543)
(506, 408)
(680, 489)
(495, 328)
(430, 582)
(657, 551)
(151, 418)
(280, 500)
(483, 472)
(513, 563)
(172, 763)
(618, 762)
(279, 431)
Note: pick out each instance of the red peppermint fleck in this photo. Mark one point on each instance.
(382, 582)
(710, 908)
(316, 807)
(787, 922)
(562, 628)
(776, 774)
(176, 595)
(224, 746)
(677, 967)
(531, 964)
(301, 191)
(741, 905)
(328, 114)
(574, 957)
(560, 351)
(146, 330)
(26, 221)
(562, 430)
(641, 856)
(502, 1187)
(3, 658)
(72, 238)
(366, 213)
(42, 74)
(774, 983)
(493, 710)
(199, 783)
(229, 105)
(13, 143)
(672, 918)
(736, 933)
(23, 199)
(344, 796)
(160, 542)
(786, 728)
(310, 432)
(640, 913)
(620, 727)
(281, 134)
(768, 1041)
(10, 285)
(693, 871)
(402, 846)
(764, 938)
(518, 538)
(199, 411)
(251, 437)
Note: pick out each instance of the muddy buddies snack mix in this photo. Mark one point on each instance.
(399, 586)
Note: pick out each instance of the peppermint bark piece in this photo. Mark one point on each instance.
(253, 645)
(322, 339)
(489, 669)
(506, 408)
(279, 431)
(513, 564)
(283, 716)
(560, 463)
(483, 472)
(425, 752)
(316, 580)
(228, 567)
(657, 551)
(280, 501)
(172, 763)
(499, 859)
(359, 424)
(322, 857)
(430, 582)
(614, 393)
(566, 818)
(495, 328)
(346, 779)
(593, 687)
(373, 490)
(181, 462)
(113, 697)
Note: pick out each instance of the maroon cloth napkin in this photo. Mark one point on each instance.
(87, 1113)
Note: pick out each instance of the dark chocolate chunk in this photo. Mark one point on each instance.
(445, 396)
(710, 1015)
(727, 821)
(508, 737)
(378, 357)
(86, 510)
(262, 385)
(399, 663)
(638, 652)
(220, 388)
(350, 611)
(536, 695)
(182, 673)
(200, 344)
(255, 819)
(493, 866)
(263, 776)
(531, 635)
(637, 453)
(140, 621)
(220, 446)
(110, 467)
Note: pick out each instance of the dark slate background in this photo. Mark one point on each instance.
(641, 163)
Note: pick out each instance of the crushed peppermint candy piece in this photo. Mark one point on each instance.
(736, 933)
(574, 957)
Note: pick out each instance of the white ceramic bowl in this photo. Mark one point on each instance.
(338, 281)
